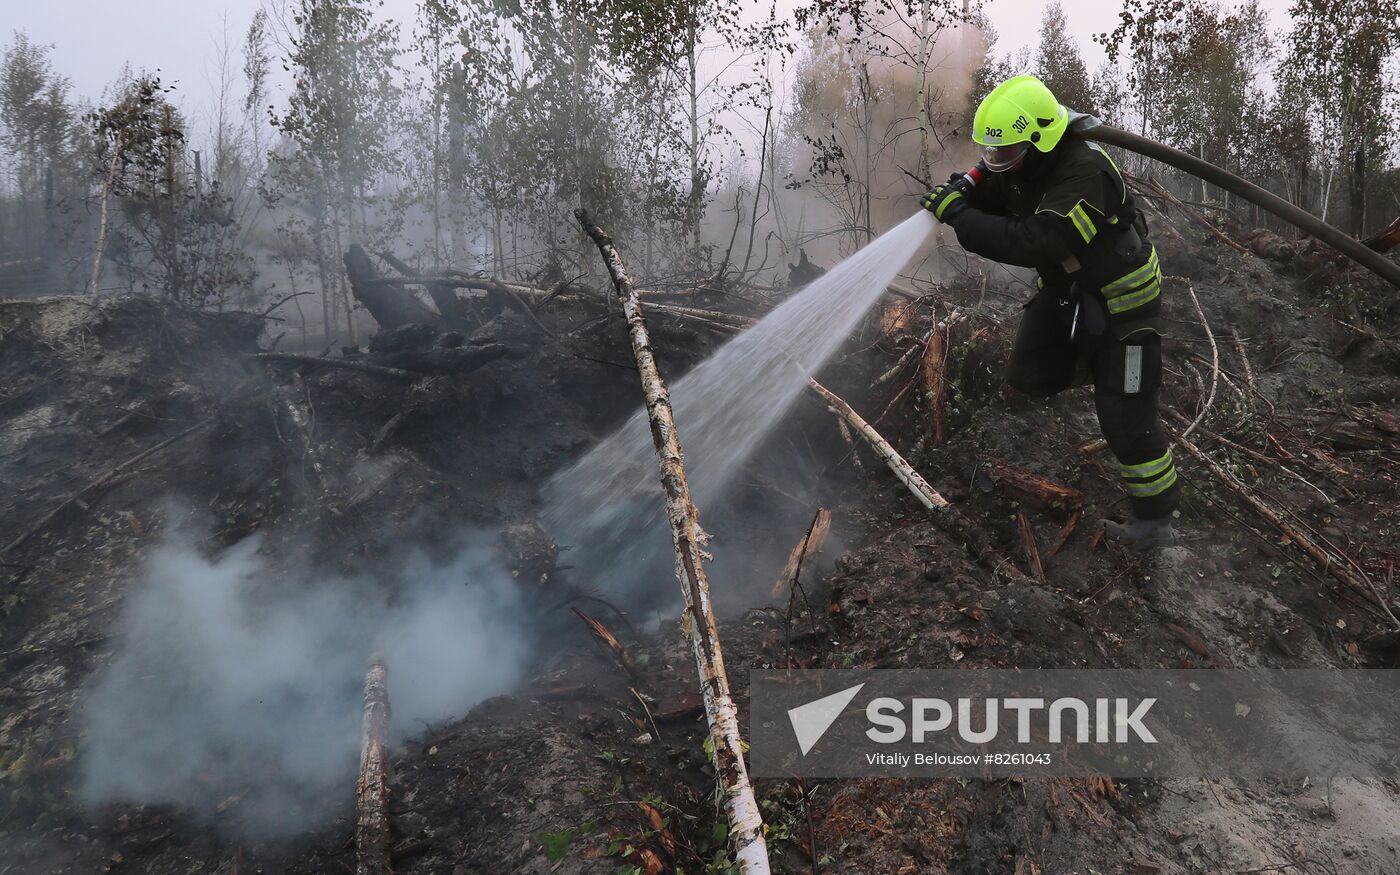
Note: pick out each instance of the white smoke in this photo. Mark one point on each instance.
(237, 684)
(607, 504)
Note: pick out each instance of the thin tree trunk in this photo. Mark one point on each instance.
(327, 326)
(945, 515)
(102, 217)
(921, 86)
(693, 82)
(341, 285)
(745, 821)
(1358, 191)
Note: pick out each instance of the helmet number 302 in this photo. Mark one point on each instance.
(994, 132)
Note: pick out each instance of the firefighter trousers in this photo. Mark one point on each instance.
(1126, 374)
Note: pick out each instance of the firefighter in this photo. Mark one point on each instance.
(1056, 202)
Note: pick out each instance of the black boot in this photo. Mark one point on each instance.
(1141, 535)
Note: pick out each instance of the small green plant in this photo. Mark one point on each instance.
(556, 844)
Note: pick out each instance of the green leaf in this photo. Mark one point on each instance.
(556, 844)
(720, 832)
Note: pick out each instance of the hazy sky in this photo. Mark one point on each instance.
(94, 38)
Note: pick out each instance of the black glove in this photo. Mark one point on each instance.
(945, 201)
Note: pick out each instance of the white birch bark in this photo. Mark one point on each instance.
(102, 217)
(698, 621)
(921, 86)
(946, 517)
(902, 469)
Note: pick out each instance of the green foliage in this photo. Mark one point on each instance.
(43, 168)
(556, 843)
(1110, 93)
(1192, 66)
(174, 236)
(599, 94)
(257, 63)
(38, 126)
(1325, 117)
(340, 124)
(1059, 64)
(139, 138)
(1338, 57)
(882, 29)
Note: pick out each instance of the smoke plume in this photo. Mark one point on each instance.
(239, 684)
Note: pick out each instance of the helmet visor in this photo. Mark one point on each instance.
(1000, 159)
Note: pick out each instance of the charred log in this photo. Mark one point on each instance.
(454, 310)
(390, 306)
(372, 797)
(446, 360)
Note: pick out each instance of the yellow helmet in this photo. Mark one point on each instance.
(1019, 113)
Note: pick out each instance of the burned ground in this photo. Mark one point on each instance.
(589, 769)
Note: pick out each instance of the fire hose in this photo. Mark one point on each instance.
(1091, 128)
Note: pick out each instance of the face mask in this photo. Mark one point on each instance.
(1000, 159)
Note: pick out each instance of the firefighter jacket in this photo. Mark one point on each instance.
(1069, 215)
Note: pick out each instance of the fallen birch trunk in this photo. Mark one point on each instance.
(745, 821)
(902, 470)
(946, 516)
(372, 804)
(910, 354)
(727, 320)
(508, 292)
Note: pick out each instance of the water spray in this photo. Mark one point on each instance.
(606, 505)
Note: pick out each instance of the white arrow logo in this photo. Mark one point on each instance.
(811, 721)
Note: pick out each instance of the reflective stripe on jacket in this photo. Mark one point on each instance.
(1067, 214)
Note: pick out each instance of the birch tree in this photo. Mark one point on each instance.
(38, 130)
(339, 123)
(1058, 62)
(903, 33)
(1339, 51)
